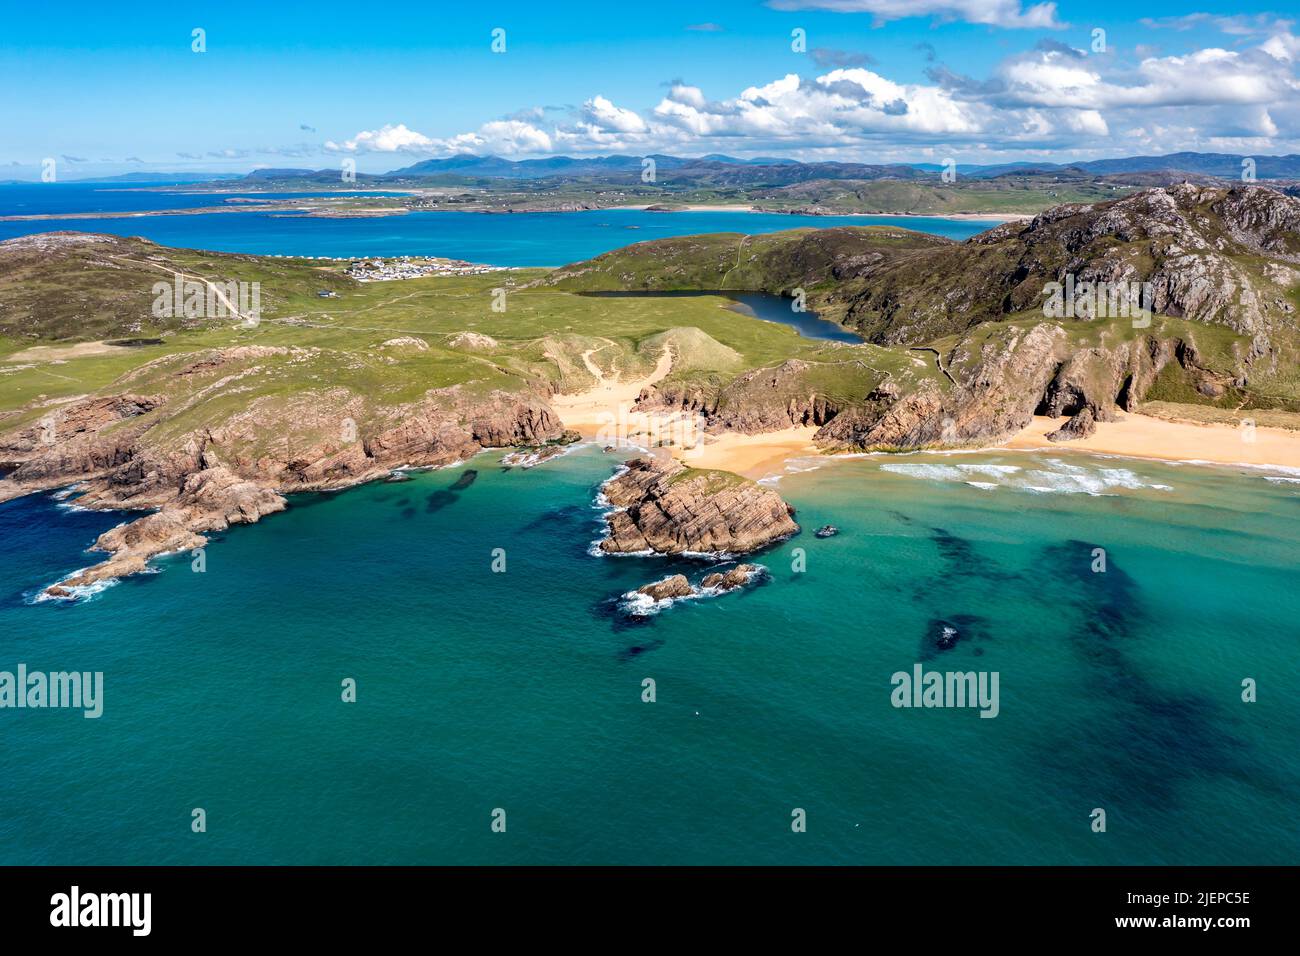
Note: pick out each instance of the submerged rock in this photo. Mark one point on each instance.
(531, 457)
(827, 531)
(666, 508)
(943, 634)
(465, 479)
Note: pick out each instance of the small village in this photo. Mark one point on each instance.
(413, 267)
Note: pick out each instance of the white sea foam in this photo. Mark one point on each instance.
(531, 459)
(797, 466)
(80, 592)
(1062, 477)
(636, 604)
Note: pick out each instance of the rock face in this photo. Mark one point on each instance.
(674, 586)
(1081, 425)
(1191, 243)
(666, 508)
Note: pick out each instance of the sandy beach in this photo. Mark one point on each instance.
(1141, 436)
(604, 414)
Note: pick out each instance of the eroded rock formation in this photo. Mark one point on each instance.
(666, 508)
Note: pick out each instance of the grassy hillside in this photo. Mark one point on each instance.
(384, 342)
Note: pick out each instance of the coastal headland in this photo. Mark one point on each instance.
(214, 415)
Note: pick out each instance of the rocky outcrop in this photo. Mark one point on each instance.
(1081, 425)
(673, 586)
(209, 500)
(732, 578)
(124, 451)
(664, 507)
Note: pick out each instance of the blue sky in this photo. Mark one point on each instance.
(109, 88)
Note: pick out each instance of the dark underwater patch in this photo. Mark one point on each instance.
(1145, 741)
(957, 552)
(438, 500)
(608, 609)
(465, 479)
(632, 652)
(566, 515)
(408, 513)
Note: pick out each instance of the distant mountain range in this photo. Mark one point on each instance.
(158, 178)
(727, 170)
(720, 170)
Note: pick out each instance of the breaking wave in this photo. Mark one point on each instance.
(1059, 478)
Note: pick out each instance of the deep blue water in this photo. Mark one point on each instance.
(52, 198)
(515, 239)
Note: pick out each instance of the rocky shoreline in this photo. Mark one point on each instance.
(206, 480)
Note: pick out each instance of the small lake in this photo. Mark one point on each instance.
(760, 305)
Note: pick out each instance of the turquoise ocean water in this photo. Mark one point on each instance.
(522, 690)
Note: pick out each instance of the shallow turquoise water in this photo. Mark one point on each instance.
(522, 690)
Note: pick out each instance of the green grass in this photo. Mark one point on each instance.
(337, 357)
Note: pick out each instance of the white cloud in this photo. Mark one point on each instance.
(503, 137)
(1282, 46)
(1051, 101)
(999, 13)
(387, 139)
(1052, 78)
(604, 115)
(500, 137)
